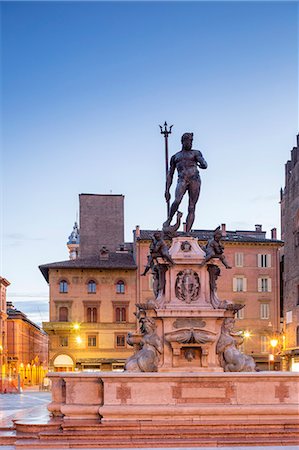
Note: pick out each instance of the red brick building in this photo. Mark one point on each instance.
(290, 259)
(27, 348)
(3, 327)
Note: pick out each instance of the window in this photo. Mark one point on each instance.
(264, 311)
(120, 287)
(120, 340)
(63, 341)
(239, 284)
(92, 287)
(239, 259)
(240, 314)
(92, 341)
(120, 314)
(63, 287)
(92, 315)
(264, 284)
(264, 260)
(264, 344)
(63, 314)
(289, 317)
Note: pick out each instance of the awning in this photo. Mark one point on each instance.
(63, 361)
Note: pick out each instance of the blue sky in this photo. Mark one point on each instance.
(85, 86)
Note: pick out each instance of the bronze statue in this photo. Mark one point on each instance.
(147, 358)
(231, 359)
(214, 249)
(186, 162)
(158, 249)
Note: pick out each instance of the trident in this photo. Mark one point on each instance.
(166, 132)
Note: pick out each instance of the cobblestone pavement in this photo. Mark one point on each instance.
(28, 404)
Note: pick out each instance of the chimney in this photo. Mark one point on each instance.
(274, 234)
(104, 254)
(258, 228)
(137, 231)
(223, 229)
(184, 227)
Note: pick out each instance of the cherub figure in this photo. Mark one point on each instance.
(214, 249)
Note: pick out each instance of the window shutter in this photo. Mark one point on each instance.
(259, 285)
(269, 260)
(269, 285)
(235, 284)
(259, 260)
(244, 284)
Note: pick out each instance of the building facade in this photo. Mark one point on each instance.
(253, 281)
(290, 259)
(27, 348)
(4, 283)
(93, 294)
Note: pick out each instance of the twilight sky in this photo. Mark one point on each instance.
(85, 86)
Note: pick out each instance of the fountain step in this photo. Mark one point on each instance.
(156, 443)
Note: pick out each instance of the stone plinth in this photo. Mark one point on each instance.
(187, 323)
(76, 396)
(212, 397)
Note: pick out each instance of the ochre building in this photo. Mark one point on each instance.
(93, 294)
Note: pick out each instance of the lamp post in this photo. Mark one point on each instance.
(273, 343)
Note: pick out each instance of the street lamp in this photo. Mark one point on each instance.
(78, 339)
(273, 343)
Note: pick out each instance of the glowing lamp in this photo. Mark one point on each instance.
(274, 342)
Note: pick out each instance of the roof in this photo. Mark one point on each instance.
(231, 236)
(115, 260)
(13, 313)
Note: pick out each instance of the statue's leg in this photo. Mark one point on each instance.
(194, 190)
(179, 194)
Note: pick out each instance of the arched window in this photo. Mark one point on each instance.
(297, 337)
(63, 314)
(92, 287)
(120, 287)
(63, 286)
(92, 314)
(120, 314)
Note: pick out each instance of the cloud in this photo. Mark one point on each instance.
(17, 239)
(23, 296)
(37, 312)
